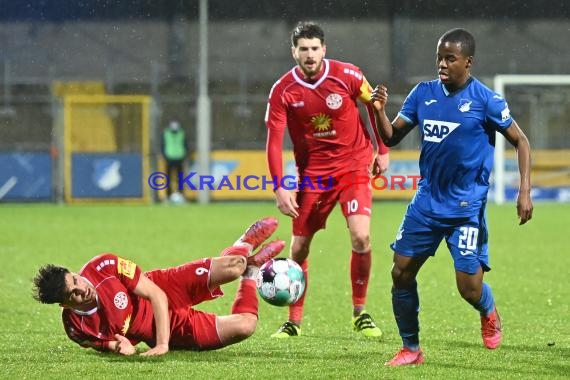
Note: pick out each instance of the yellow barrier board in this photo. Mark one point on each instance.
(243, 175)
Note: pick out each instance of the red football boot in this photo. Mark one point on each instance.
(491, 330)
(266, 253)
(406, 357)
(258, 232)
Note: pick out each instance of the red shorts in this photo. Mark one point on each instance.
(185, 286)
(352, 191)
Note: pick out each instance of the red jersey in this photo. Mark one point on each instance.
(118, 310)
(329, 136)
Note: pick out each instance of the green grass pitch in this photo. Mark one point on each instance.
(530, 279)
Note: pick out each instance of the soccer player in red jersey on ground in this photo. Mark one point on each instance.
(111, 305)
(316, 102)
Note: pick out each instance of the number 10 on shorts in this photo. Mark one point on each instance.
(351, 206)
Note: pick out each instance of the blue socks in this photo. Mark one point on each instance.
(487, 302)
(406, 306)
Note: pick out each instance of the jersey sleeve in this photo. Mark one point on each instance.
(365, 95)
(276, 123)
(382, 148)
(276, 112)
(125, 270)
(128, 273)
(81, 338)
(498, 115)
(365, 90)
(409, 111)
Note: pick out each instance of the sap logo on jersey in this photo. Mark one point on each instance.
(436, 130)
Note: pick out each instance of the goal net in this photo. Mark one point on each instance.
(541, 106)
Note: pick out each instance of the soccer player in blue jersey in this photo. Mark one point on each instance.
(458, 117)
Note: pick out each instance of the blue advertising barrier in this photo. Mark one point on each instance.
(25, 176)
(106, 175)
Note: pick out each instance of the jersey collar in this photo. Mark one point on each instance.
(314, 85)
(447, 93)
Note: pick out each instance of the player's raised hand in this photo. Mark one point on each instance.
(159, 349)
(287, 202)
(379, 97)
(123, 346)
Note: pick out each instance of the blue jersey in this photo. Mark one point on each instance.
(458, 141)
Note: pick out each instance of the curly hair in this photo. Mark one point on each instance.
(49, 284)
(309, 30)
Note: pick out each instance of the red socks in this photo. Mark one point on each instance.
(246, 298)
(296, 310)
(360, 264)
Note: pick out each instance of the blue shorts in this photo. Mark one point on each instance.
(419, 235)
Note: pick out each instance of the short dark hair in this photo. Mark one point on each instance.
(462, 37)
(309, 30)
(49, 284)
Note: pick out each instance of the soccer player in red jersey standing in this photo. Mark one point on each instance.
(316, 102)
(111, 305)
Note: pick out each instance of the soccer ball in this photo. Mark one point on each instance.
(280, 282)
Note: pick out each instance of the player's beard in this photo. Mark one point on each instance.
(311, 73)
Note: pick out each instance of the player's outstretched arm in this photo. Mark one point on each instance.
(518, 139)
(149, 290)
(390, 132)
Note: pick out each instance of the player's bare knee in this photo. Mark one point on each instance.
(469, 294)
(247, 325)
(396, 273)
(360, 242)
(401, 279)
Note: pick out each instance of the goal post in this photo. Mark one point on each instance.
(501, 82)
(106, 144)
